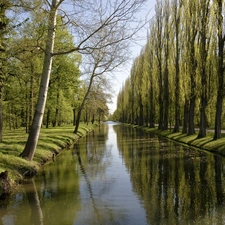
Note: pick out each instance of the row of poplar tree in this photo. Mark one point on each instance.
(178, 78)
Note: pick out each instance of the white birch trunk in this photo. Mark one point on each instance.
(32, 140)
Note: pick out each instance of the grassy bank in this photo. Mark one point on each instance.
(207, 143)
(51, 141)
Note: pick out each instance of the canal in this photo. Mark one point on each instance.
(123, 176)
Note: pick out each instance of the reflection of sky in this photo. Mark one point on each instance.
(113, 201)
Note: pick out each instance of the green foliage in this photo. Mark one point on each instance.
(191, 40)
(64, 77)
(25, 66)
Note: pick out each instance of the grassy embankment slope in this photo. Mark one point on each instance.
(207, 143)
(51, 141)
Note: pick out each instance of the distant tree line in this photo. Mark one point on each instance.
(178, 78)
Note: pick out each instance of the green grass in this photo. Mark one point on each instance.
(51, 140)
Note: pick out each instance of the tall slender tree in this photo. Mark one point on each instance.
(166, 39)
(158, 51)
(31, 143)
(220, 68)
(132, 94)
(139, 89)
(204, 42)
(177, 4)
(152, 80)
(100, 62)
(191, 31)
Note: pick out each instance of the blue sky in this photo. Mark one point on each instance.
(121, 76)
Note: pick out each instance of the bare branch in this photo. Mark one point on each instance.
(107, 19)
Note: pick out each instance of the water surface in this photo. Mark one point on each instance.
(120, 175)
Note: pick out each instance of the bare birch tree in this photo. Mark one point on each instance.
(86, 20)
(99, 63)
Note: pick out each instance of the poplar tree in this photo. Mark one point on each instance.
(191, 35)
(158, 51)
(204, 42)
(166, 38)
(176, 5)
(220, 67)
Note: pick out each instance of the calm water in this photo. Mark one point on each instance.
(119, 175)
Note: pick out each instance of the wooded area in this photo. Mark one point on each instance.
(56, 58)
(178, 78)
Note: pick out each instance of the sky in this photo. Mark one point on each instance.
(124, 73)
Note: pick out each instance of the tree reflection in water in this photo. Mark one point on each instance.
(121, 175)
(88, 183)
(34, 202)
(178, 185)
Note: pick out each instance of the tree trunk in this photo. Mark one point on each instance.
(177, 100)
(161, 106)
(9, 117)
(166, 99)
(160, 113)
(191, 127)
(141, 116)
(132, 104)
(74, 116)
(83, 102)
(147, 115)
(202, 128)
(152, 108)
(93, 118)
(87, 116)
(31, 143)
(193, 65)
(186, 116)
(77, 120)
(56, 119)
(218, 120)
(48, 118)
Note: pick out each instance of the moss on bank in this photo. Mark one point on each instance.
(51, 141)
(207, 143)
